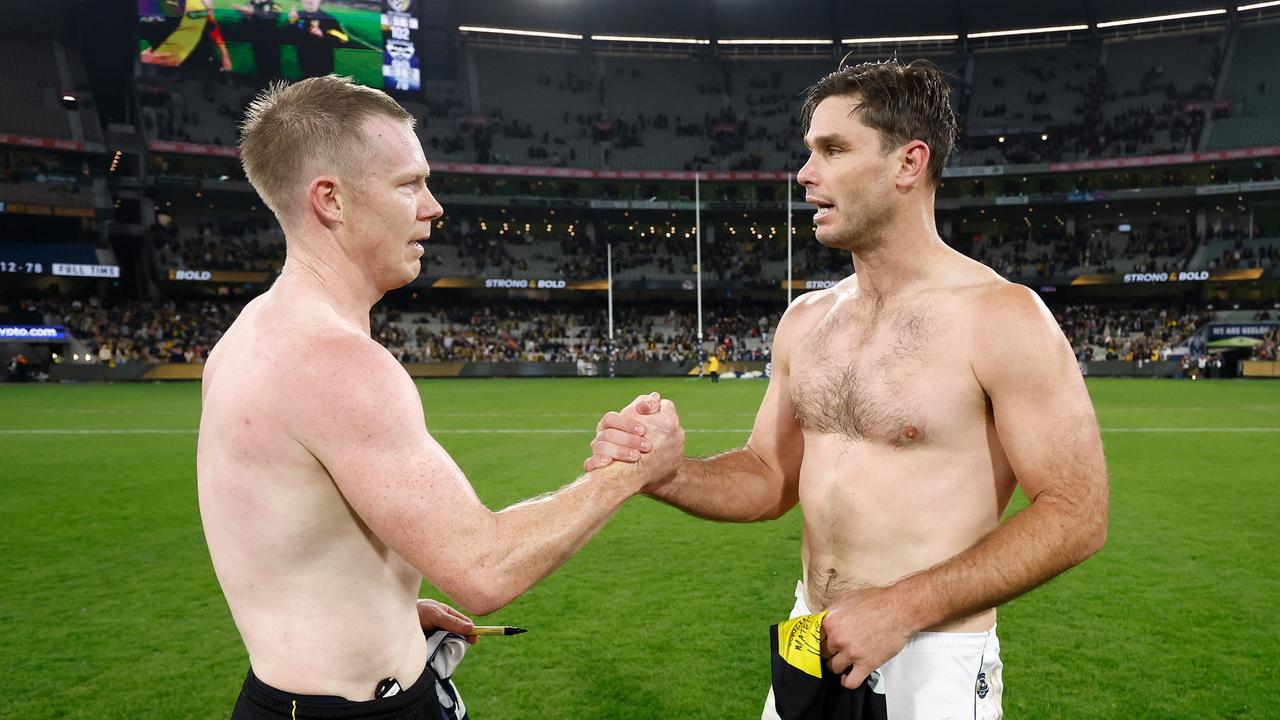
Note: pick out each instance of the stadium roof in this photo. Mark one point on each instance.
(805, 18)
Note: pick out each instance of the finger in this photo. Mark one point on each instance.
(655, 401)
(445, 621)
(613, 419)
(616, 452)
(624, 439)
(456, 613)
(855, 677)
(840, 662)
(595, 462)
(647, 404)
(617, 421)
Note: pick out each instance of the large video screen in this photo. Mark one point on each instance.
(373, 41)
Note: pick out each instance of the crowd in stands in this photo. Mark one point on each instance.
(223, 243)
(523, 333)
(185, 331)
(496, 331)
(1269, 349)
(464, 244)
(1240, 252)
(1052, 251)
(134, 331)
(1099, 332)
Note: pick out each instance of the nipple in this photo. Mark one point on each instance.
(911, 433)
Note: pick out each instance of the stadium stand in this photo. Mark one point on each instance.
(548, 107)
(1023, 106)
(1153, 334)
(184, 331)
(1253, 91)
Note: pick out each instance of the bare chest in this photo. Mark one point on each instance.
(896, 376)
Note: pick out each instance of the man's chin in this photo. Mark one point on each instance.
(833, 239)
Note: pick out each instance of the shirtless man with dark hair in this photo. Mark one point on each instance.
(906, 404)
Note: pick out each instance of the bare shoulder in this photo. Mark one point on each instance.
(1003, 309)
(804, 313)
(312, 358)
(1014, 337)
(349, 361)
(808, 309)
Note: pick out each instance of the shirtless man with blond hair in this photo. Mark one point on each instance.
(325, 500)
(905, 405)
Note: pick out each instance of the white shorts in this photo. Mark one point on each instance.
(937, 676)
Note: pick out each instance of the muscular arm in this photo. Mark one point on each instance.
(756, 482)
(1046, 424)
(372, 439)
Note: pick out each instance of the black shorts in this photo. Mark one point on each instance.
(260, 701)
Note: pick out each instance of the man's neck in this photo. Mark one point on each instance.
(904, 254)
(317, 268)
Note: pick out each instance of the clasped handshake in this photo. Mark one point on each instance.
(647, 433)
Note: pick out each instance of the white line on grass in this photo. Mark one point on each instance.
(558, 431)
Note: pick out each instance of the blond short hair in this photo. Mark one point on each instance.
(293, 132)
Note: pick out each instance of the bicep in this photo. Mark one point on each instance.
(400, 482)
(776, 437)
(1042, 410)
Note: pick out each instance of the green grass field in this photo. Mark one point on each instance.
(111, 609)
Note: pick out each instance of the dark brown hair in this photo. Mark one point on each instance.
(902, 102)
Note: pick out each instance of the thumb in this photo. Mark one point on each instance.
(650, 405)
(455, 623)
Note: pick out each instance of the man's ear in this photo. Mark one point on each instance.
(325, 200)
(913, 169)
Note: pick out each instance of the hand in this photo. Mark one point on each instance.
(663, 430)
(315, 29)
(438, 616)
(620, 436)
(863, 630)
(293, 13)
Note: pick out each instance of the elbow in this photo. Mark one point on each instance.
(1093, 537)
(480, 598)
(1096, 539)
(477, 605)
(775, 511)
(781, 505)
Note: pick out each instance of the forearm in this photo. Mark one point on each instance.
(736, 486)
(534, 537)
(1039, 543)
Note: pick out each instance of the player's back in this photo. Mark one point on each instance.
(291, 555)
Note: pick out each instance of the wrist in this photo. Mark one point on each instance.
(912, 599)
(657, 487)
(622, 475)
